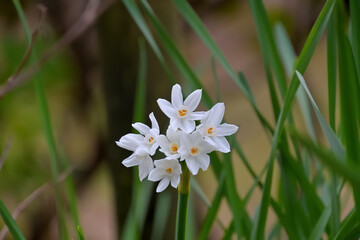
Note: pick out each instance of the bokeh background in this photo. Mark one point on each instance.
(90, 87)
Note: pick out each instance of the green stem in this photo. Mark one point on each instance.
(184, 189)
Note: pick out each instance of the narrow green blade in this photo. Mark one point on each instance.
(302, 63)
(10, 223)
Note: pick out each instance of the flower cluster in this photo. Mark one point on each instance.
(183, 141)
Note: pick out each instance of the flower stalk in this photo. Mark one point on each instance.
(183, 196)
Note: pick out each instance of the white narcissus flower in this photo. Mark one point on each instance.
(194, 149)
(168, 171)
(140, 157)
(180, 112)
(150, 134)
(170, 143)
(213, 131)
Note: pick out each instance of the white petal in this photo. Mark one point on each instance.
(196, 115)
(205, 118)
(162, 163)
(185, 142)
(192, 164)
(176, 96)
(204, 161)
(143, 150)
(153, 148)
(175, 123)
(175, 180)
(167, 108)
(164, 143)
(187, 125)
(145, 167)
(163, 184)
(142, 128)
(222, 144)
(208, 145)
(156, 174)
(131, 161)
(173, 136)
(130, 141)
(226, 129)
(193, 100)
(217, 114)
(154, 123)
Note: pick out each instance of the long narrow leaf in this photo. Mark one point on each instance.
(302, 63)
(10, 223)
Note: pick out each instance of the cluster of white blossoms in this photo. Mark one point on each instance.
(183, 141)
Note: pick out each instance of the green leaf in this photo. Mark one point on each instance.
(321, 224)
(80, 233)
(140, 21)
(267, 43)
(10, 223)
(46, 124)
(194, 21)
(213, 209)
(355, 31)
(332, 68)
(349, 100)
(348, 171)
(161, 215)
(302, 63)
(175, 54)
(334, 142)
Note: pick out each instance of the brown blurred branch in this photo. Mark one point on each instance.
(92, 11)
(33, 196)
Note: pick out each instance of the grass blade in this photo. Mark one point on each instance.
(267, 43)
(302, 63)
(321, 224)
(334, 142)
(213, 209)
(175, 54)
(355, 31)
(80, 233)
(141, 23)
(46, 124)
(349, 101)
(161, 215)
(348, 171)
(191, 17)
(10, 223)
(331, 66)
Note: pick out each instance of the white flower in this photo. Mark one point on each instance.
(181, 113)
(140, 157)
(167, 170)
(213, 132)
(150, 135)
(170, 143)
(194, 149)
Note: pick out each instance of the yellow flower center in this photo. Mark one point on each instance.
(168, 170)
(149, 139)
(174, 147)
(210, 131)
(182, 113)
(194, 150)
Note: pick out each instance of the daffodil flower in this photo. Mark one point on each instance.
(168, 171)
(180, 112)
(170, 143)
(213, 131)
(150, 134)
(194, 150)
(140, 157)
